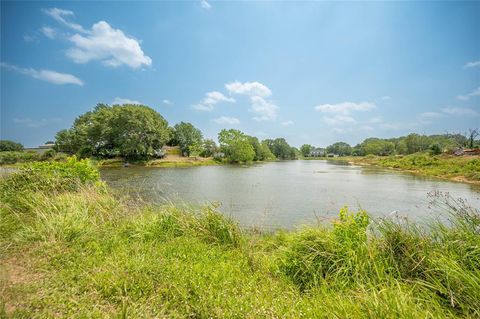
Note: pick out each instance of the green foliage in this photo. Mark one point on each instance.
(435, 149)
(236, 146)
(377, 146)
(18, 157)
(189, 138)
(340, 148)
(209, 148)
(280, 149)
(10, 146)
(306, 149)
(131, 131)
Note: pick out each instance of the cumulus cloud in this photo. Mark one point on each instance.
(287, 123)
(472, 64)
(248, 88)
(205, 4)
(339, 120)
(167, 102)
(60, 16)
(210, 99)
(265, 110)
(345, 107)
(108, 45)
(227, 120)
(45, 75)
(431, 115)
(50, 33)
(121, 101)
(467, 96)
(101, 43)
(460, 111)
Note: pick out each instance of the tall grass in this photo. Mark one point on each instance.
(81, 252)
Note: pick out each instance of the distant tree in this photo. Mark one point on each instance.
(236, 146)
(6, 145)
(377, 146)
(401, 147)
(417, 143)
(132, 131)
(340, 148)
(280, 148)
(472, 134)
(189, 138)
(209, 148)
(306, 149)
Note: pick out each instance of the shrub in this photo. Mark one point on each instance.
(18, 157)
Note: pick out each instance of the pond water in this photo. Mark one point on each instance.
(289, 193)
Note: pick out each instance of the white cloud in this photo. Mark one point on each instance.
(386, 98)
(49, 32)
(167, 102)
(59, 15)
(36, 123)
(431, 115)
(29, 38)
(466, 97)
(471, 64)
(121, 101)
(45, 75)
(248, 88)
(108, 45)
(210, 99)
(339, 120)
(227, 120)
(287, 123)
(339, 130)
(345, 107)
(367, 128)
(265, 110)
(460, 111)
(205, 4)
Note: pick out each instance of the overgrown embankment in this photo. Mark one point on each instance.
(71, 249)
(458, 168)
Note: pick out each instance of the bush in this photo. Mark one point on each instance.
(47, 177)
(18, 157)
(6, 145)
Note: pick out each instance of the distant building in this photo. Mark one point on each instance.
(317, 152)
(42, 148)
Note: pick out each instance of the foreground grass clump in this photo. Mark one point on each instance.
(465, 168)
(81, 252)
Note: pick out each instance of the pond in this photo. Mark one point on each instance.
(288, 193)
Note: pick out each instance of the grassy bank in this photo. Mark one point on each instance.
(458, 168)
(70, 249)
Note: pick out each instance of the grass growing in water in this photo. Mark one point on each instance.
(80, 252)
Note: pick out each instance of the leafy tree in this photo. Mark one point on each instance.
(417, 143)
(236, 146)
(472, 134)
(306, 149)
(280, 148)
(132, 131)
(435, 149)
(340, 148)
(209, 148)
(189, 138)
(6, 145)
(377, 146)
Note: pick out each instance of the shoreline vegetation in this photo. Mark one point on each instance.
(69, 248)
(465, 169)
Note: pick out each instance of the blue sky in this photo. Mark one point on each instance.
(312, 72)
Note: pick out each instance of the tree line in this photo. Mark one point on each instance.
(139, 132)
(409, 144)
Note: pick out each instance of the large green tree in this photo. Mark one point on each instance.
(236, 146)
(131, 131)
(280, 148)
(306, 149)
(340, 148)
(377, 146)
(189, 138)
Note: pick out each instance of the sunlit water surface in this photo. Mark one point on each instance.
(286, 194)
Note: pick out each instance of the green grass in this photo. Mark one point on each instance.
(79, 252)
(462, 168)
